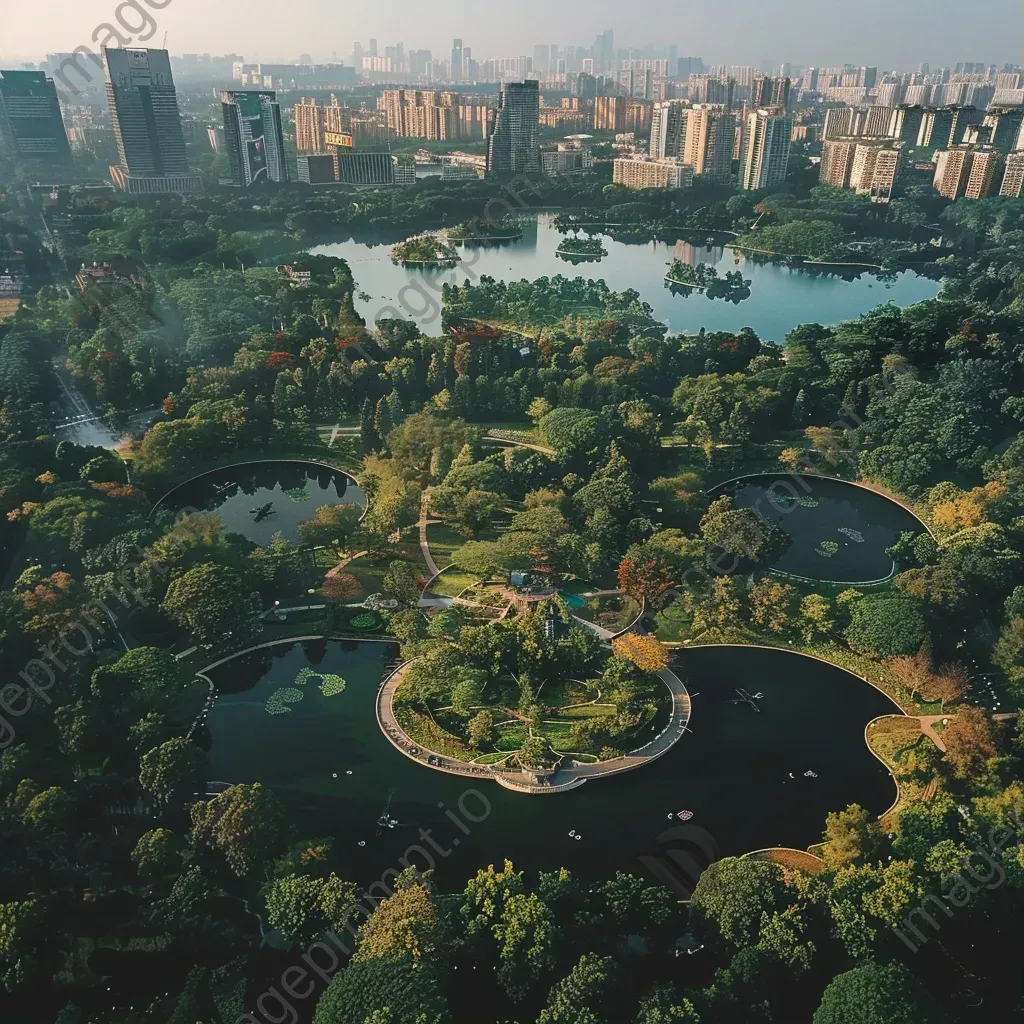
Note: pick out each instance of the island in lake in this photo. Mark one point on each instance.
(732, 286)
(426, 249)
(573, 249)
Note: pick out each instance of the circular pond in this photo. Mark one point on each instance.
(299, 716)
(259, 499)
(839, 531)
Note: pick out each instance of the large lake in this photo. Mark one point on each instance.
(780, 297)
(741, 770)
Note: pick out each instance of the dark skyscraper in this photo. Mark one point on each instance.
(147, 125)
(30, 121)
(456, 59)
(255, 141)
(513, 145)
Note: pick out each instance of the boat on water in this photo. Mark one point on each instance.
(385, 820)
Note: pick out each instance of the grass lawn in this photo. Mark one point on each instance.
(493, 758)
(891, 738)
(587, 711)
(452, 582)
(426, 732)
(443, 540)
(612, 612)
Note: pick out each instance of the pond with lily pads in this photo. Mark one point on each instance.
(299, 716)
(839, 531)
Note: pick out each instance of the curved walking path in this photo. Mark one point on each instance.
(422, 525)
(564, 778)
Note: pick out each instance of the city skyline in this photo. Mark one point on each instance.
(940, 32)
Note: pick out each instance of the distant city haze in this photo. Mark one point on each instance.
(895, 34)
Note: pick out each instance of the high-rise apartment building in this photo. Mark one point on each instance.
(985, 169)
(312, 120)
(764, 155)
(31, 125)
(513, 145)
(952, 170)
(426, 114)
(253, 137)
(1013, 176)
(666, 173)
(889, 92)
(905, 124)
(837, 162)
(873, 170)
(668, 128)
(147, 125)
(766, 91)
(842, 121)
(877, 121)
(710, 138)
(1005, 129)
(712, 89)
(918, 94)
(610, 113)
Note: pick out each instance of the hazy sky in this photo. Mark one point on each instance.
(889, 33)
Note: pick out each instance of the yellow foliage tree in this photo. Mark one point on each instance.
(646, 652)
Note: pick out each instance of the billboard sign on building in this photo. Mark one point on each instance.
(338, 139)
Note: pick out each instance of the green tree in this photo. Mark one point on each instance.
(480, 728)
(409, 924)
(245, 823)
(851, 836)
(401, 581)
(331, 524)
(20, 945)
(213, 602)
(663, 1006)
(303, 907)
(396, 990)
(527, 937)
(157, 854)
(49, 810)
(733, 894)
(171, 769)
(876, 994)
(887, 627)
(744, 538)
(578, 998)
(816, 617)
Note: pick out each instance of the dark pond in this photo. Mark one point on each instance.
(740, 771)
(259, 499)
(839, 531)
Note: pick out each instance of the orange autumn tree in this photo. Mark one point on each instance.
(645, 652)
(644, 578)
